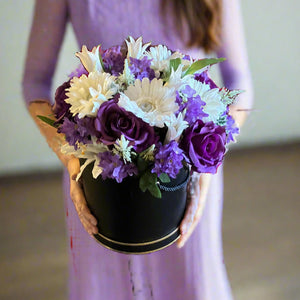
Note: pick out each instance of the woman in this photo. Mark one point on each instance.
(195, 271)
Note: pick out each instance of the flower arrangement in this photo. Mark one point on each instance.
(146, 111)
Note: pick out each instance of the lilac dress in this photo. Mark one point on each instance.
(197, 270)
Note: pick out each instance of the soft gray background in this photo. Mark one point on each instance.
(271, 29)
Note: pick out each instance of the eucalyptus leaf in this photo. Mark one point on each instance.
(200, 64)
(47, 120)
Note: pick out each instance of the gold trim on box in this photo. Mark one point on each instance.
(138, 244)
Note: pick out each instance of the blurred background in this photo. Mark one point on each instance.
(261, 210)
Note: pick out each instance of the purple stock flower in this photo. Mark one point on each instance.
(193, 105)
(113, 60)
(231, 129)
(113, 121)
(78, 72)
(203, 77)
(168, 160)
(114, 167)
(204, 145)
(78, 130)
(141, 68)
(61, 108)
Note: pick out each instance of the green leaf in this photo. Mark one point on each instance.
(47, 120)
(200, 64)
(174, 63)
(164, 177)
(148, 181)
(155, 191)
(141, 164)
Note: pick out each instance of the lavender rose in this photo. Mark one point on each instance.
(204, 144)
(113, 121)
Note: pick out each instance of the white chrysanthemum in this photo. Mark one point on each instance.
(161, 57)
(150, 101)
(136, 48)
(126, 77)
(87, 93)
(214, 106)
(175, 127)
(123, 149)
(90, 152)
(90, 59)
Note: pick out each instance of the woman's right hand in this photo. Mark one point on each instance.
(55, 141)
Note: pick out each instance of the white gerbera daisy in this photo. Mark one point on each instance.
(175, 127)
(150, 101)
(136, 48)
(87, 93)
(214, 106)
(90, 152)
(90, 59)
(161, 57)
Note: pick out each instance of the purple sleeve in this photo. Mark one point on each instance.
(235, 70)
(46, 36)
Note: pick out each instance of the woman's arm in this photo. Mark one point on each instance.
(46, 36)
(235, 70)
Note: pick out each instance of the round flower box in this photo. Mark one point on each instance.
(130, 220)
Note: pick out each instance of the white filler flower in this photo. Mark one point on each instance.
(161, 57)
(150, 101)
(90, 152)
(90, 59)
(136, 48)
(87, 93)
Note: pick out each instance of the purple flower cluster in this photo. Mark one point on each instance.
(168, 159)
(113, 167)
(78, 130)
(231, 129)
(141, 68)
(113, 60)
(204, 78)
(193, 105)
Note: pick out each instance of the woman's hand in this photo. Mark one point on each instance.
(55, 141)
(88, 221)
(196, 197)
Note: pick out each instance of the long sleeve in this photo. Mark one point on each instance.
(46, 36)
(235, 70)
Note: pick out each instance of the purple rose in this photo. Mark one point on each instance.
(113, 121)
(61, 108)
(204, 145)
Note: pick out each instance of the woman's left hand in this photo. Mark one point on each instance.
(196, 197)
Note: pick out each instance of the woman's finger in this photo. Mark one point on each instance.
(87, 219)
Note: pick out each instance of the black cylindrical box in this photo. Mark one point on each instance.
(130, 220)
